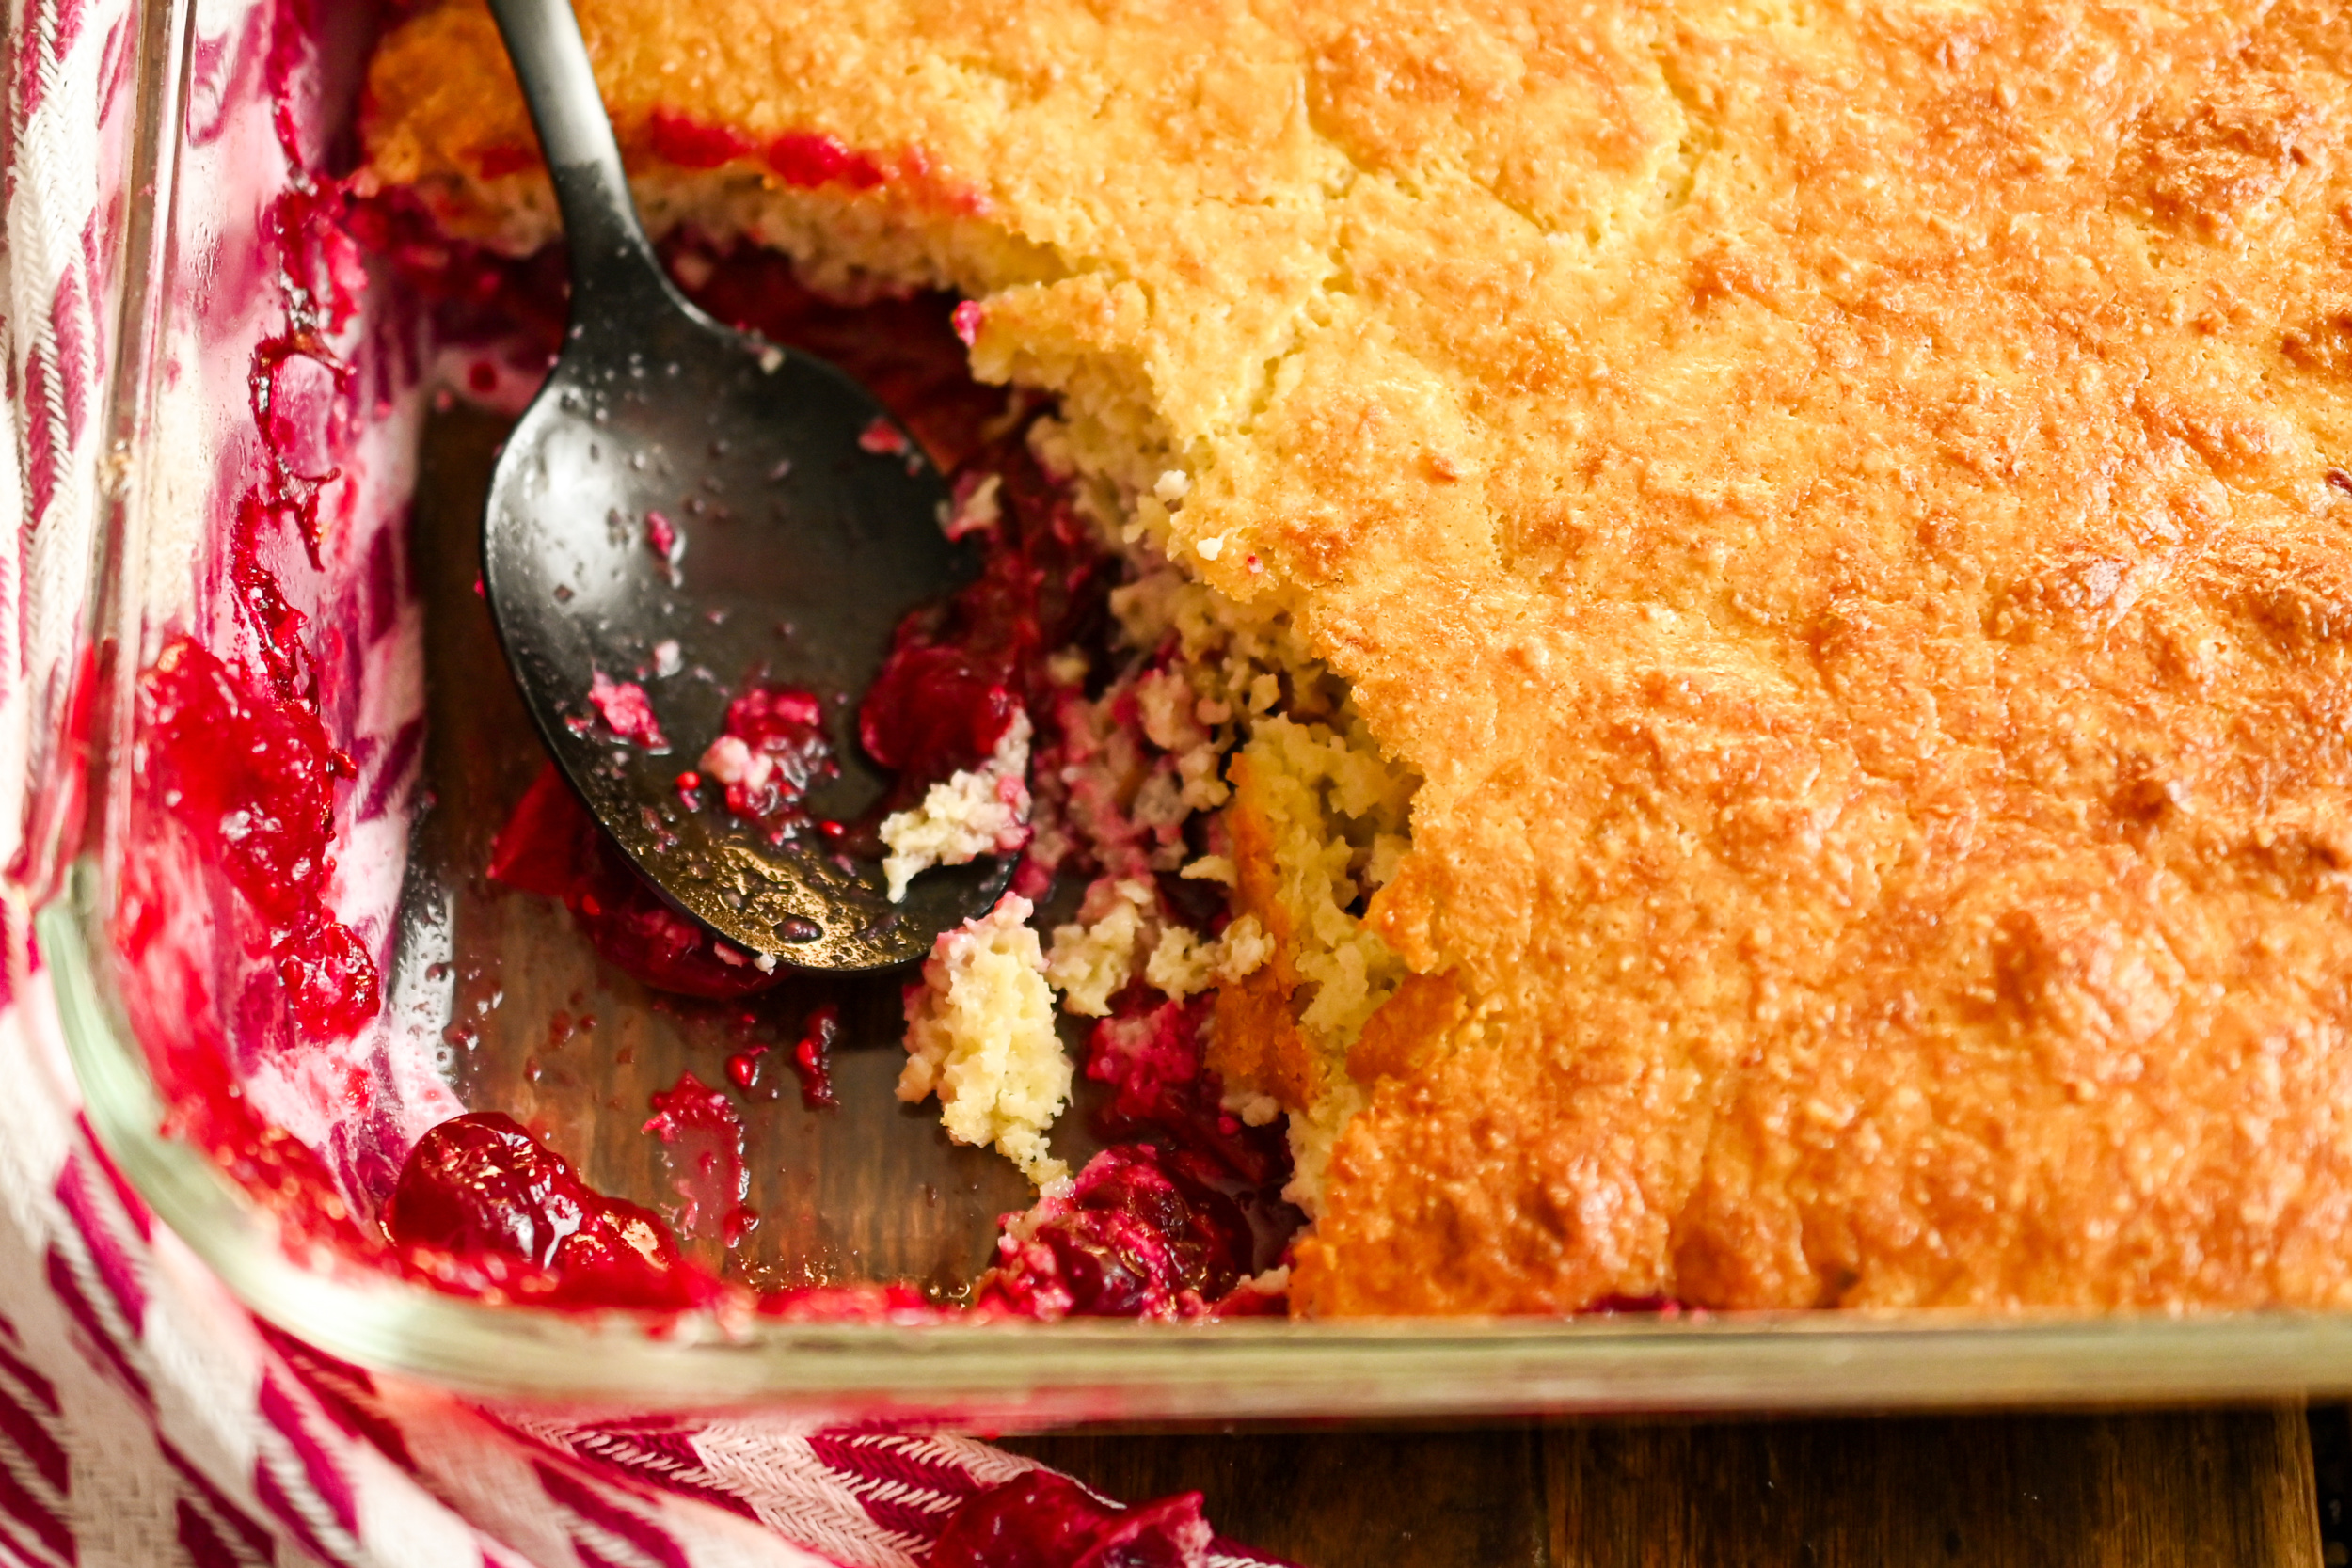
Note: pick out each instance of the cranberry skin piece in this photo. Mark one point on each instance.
(1043, 1520)
(935, 709)
(541, 848)
(776, 719)
(480, 1190)
(627, 711)
(254, 778)
(784, 751)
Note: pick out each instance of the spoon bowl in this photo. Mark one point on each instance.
(683, 511)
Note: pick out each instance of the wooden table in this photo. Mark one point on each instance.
(2224, 1488)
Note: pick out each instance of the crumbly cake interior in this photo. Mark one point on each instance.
(1799, 548)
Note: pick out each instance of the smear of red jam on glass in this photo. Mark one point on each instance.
(702, 1143)
(483, 1209)
(252, 776)
(1043, 1520)
(551, 846)
(772, 753)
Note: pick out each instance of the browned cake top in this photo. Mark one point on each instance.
(1843, 503)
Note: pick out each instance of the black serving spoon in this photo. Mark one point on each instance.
(688, 499)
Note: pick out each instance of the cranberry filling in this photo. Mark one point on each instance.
(550, 846)
(1165, 1228)
(957, 672)
(480, 1207)
(485, 1209)
(772, 753)
(251, 774)
(1043, 1520)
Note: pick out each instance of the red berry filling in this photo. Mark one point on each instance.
(483, 1209)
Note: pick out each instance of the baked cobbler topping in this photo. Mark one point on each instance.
(1678, 657)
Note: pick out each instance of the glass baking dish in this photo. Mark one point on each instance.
(485, 994)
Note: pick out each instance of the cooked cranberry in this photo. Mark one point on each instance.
(252, 776)
(482, 1207)
(330, 977)
(934, 709)
(1043, 1520)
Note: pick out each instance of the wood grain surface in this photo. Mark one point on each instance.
(2131, 1491)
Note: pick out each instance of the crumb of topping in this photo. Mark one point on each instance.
(1211, 868)
(1181, 964)
(979, 811)
(626, 709)
(1255, 1109)
(1093, 959)
(1245, 948)
(979, 506)
(1171, 486)
(981, 1036)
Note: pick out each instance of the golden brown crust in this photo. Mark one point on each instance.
(1835, 501)
(1255, 1045)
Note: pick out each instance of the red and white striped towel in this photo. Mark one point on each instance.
(145, 1417)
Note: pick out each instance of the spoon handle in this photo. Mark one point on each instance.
(614, 266)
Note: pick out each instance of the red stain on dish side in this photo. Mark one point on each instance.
(251, 777)
(702, 1140)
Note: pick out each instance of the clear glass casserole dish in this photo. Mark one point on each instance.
(227, 364)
